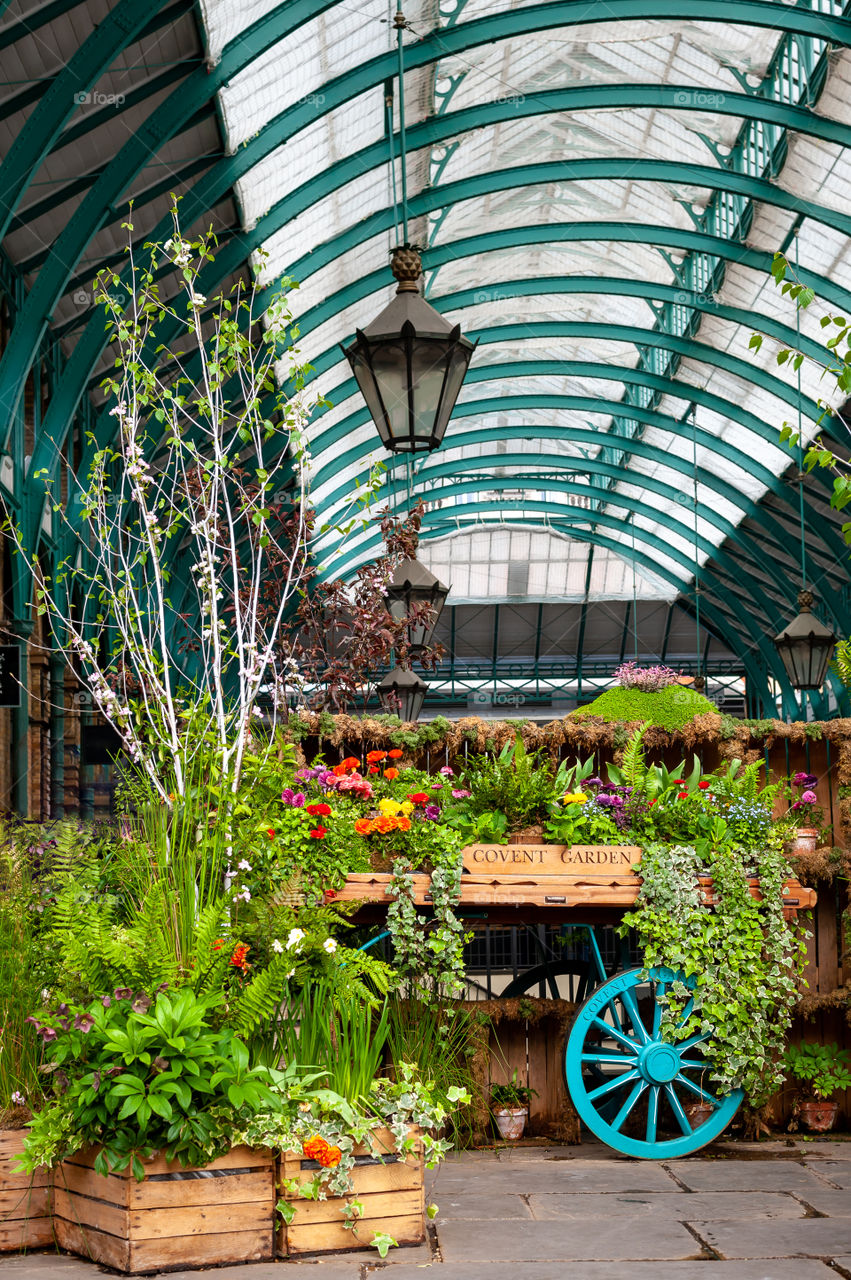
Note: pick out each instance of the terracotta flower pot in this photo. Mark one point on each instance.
(805, 841)
(698, 1112)
(511, 1121)
(818, 1114)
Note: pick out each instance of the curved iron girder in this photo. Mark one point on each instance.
(57, 104)
(642, 536)
(282, 20)
(477, 408)
(776, 574)
(776, 536)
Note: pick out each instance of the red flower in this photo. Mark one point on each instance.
(238, 959)
(319, 833)
(418, 797)
(682, 795)
(330, 895)
(395, 754)
(390, 774)
(318, 810)
(678, 782)
(372, 757)
(218, 944)
(373, 768)
(270, 832)
(704, 786)
(652, 802)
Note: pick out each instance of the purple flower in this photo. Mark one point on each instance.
(328, 779)
(809, 797)
(47, 1034)
(123, 993)
(432, 812)
(308, 775)
(595, 782)
(447, 772)
(461, 794)
(610, 801)
(295, 799)
(84, 1022)
(805, 779)
(106, 1001)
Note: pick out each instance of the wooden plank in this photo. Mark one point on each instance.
(244, 1188)
(329, 1237)
(24, 1202)
(97, 1246)
(181, 1252)
(827, 942)
(382, 1204)
(87, 1212)
(548, 859)
(26, 1233)
(201, 1220)
(83, 1179)
(236, 1158)
(366, 1178)
(11, 1142)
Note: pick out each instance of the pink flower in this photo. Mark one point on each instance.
(809, 797)
(447, 772)
(354, 782)
(461, 794)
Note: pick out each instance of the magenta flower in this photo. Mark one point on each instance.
(809, 797)
(461, 794)
(432, 812)
(361, 787)
(805, 779)
(295, 799)
(447, 772)
(436, 786)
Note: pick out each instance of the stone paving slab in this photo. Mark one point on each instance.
(793, 1269)
(473, 1204)
(566, 1240)
(682, 1206)
(837, 1171)
(836, 1204)
(595, 1176)
(749, 1175)
(807, 1238)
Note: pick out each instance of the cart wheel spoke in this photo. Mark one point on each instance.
(652, 1112)
(617, 1034)
(700, 1038)
(617, 1083)
(693, 1064)
(611, 1059)
(635, 1093)
(628, 1001)
(696, 1089)
(677, 1108)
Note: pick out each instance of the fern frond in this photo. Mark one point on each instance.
(634, 764)
(260, 1000)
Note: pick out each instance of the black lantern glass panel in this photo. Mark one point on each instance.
(806, 647)
(409, 364)
(402, 693)
(411, 586)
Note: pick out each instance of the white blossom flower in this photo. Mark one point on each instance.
(295, 939)
(276, 946)
(17, 1099)
(197, 298)
(244, 894)
(330, 945)
(243, 865)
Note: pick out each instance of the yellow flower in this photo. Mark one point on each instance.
(389, 807)
(407, 807)
(574, 797)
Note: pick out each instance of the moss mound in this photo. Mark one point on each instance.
(669, 708)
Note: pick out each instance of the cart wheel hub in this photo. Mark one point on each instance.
(659, 1063)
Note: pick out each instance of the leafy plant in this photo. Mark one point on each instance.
(516, 782)
(135, 1075)
(669, 708)
(511, 1095)
(343, 1041)
(823, 1069)
(436, 1040)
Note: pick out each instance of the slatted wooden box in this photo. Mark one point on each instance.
(175, 1218)
(25, 1217)
(391, 1188)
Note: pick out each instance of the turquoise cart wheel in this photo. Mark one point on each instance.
(632, 1088)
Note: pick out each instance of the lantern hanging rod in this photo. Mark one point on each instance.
(400, 24)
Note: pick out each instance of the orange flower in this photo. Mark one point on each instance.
(403, 823)
(390, 774)
(384, 824)
(350, 762)
(315, 1147)
(330, 1157)
(372, 757)
(373, 768)
(363, 827)
(395, 754)
(238, 959)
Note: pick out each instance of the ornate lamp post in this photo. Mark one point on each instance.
(806, 646)
(411, 588)
(402, 693)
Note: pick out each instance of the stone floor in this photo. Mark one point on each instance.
(773, 1211)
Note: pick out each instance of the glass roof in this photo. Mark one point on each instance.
(577, 221)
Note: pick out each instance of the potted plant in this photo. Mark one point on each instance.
(821, 1070)
(510, 1105)
(805, 813)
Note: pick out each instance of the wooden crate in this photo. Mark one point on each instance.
(175, 1218)
(391, 1188)
(25, 1212)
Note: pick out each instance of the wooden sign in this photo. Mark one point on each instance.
(549, 859)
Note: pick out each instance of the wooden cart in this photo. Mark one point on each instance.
(634, 1088)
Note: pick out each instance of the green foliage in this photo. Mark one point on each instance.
(742, 958)
(841, 664)
(137, 1075)
(437, 1041)
(428, 949)
(513, 1094)
(823, 1069)
(668, 708)
(517, 783)
(342, 1040)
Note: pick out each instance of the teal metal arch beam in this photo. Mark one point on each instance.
(776, 535)
(783, 582)
(121, 26)
(340, 566)
(282, 20)
(470, 408)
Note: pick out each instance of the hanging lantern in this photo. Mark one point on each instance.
(402, 693)
(411, 587)
(806, 646)
(410, 364)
